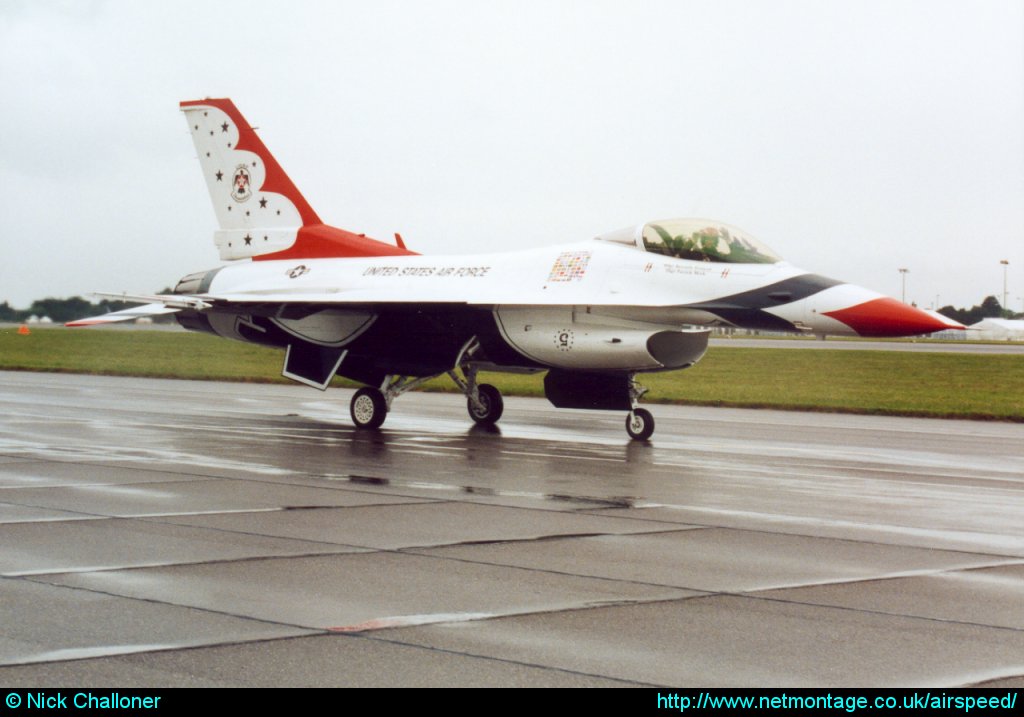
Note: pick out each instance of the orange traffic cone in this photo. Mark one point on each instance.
(23, 330)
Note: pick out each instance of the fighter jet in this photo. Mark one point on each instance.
(593, 314)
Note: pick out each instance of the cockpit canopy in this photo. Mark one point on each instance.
(697, 240)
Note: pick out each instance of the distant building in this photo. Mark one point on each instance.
(998, 330)
(951, 335)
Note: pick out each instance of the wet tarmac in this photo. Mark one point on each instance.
(166, 533)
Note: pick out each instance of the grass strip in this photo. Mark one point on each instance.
(941, 385)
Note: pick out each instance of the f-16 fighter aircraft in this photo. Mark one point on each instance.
(593, 314)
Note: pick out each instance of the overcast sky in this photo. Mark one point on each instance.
(853, 138)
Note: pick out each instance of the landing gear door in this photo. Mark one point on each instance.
(312, 365)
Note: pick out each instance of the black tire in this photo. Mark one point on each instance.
(491, 408)
(640, 424)
(368, 408)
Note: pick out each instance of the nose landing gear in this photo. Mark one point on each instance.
(639, 421)
(640, 424)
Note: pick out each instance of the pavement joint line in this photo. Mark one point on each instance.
(167, 603)
(919, 573)
(812, 536)
(140, 468)
(319, 631)
(416, 551)
(551, 537)
(469, 490)
(408, 483)
(375, 637)
(85, 515)
(197, 477)
(809, 535)
(924, 572)
(129, 655)
(427, 501)
(1009, 675)
(706, 595)
(550, 571)
(36, 576)
(187, 477)
(29, 574)
(185, 514)
(414, 500)
(611, 603)
(867, 611)
(156, 650)
(669, 528)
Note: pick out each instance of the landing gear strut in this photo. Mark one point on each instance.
(639, 421)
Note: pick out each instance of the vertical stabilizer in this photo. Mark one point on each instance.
(261, 213)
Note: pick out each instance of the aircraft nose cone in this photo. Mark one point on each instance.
(889, 317)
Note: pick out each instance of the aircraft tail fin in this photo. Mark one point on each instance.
(260, 211)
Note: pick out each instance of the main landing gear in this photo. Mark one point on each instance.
(484, 404)
(370, 406)
(488, 407)
(483, 401)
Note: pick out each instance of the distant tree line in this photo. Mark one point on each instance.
(990, 308)
(63, 310)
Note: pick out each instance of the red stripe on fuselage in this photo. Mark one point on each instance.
(320, 241)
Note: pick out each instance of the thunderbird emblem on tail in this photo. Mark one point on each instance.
(241, 191)
(593, 315)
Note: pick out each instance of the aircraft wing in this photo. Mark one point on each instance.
(136, 312)
(356, 297)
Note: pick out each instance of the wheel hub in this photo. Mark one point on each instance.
(363, 408)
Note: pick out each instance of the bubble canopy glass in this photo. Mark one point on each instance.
(704, 240)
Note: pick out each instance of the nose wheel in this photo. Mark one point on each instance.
(640, 424)
(369, 408)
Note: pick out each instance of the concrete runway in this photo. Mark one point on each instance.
(162, 533)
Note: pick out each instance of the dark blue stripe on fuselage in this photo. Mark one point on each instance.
(747, 309)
